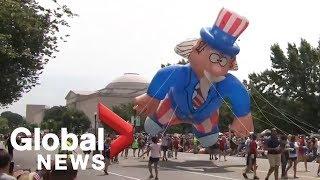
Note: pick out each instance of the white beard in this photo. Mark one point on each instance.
(213, 79)
(207, 81)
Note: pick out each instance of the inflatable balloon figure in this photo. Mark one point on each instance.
(193, 93)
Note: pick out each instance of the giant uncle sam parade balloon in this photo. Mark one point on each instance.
(193, 93)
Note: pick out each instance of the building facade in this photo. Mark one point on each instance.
(35, 113)
(121, 90)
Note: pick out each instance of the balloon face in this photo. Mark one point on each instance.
(205, 58)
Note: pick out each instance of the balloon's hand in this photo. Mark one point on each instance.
(242, 126)
(145, 104)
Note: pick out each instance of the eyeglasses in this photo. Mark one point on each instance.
(218, 58)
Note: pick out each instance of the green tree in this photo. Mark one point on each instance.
(75, 121)
(54, 113)
(182, 62)
(14, 120)
(29, 36)
(125, 111)
(58, 117)
(51, 125)
(292, 85)
(4, 127)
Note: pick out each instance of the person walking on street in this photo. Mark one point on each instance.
(176, 146)
(106, 154)
(164, 147)
(155, 149)
(251, 157)
(9, 146)
(222, 147)
(293, 156)
(302, 150)
(274, 154)
(284, 155)
(134, 147)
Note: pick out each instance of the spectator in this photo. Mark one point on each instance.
(233, 144)
(155, 149)
(284, 155)
(164, 147)
(274, 154)
(141, 144)
(5, 160)
(176, 146)
(10, 147)
(135, 146)
(107, 155)
(292, 156)
(222, 147)
(302, 150)
(251, 157)
(213, 151)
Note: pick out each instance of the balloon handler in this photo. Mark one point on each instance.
(193, 93)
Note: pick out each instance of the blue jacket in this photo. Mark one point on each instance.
(179, 82)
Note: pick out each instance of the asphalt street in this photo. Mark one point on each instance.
(187, 167)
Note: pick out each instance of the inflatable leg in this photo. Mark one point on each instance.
(163, 117)
(208, 131)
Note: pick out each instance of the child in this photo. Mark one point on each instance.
(107, 155)
(155, 150)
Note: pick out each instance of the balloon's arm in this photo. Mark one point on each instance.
(166, 78)
(235, 91)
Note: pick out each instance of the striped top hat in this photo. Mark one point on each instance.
(225, 31)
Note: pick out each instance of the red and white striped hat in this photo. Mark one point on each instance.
(231, 23)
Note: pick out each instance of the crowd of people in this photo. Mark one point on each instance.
(281, 150)
(284, 151)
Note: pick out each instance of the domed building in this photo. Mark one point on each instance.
(121, 90)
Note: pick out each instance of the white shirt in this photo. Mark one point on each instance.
(155, 150)
(318, 151)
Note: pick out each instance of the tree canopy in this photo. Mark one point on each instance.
(29, 36)
(14, 120)
(289, 93)
(58, 117)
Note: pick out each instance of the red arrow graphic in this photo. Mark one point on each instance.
(124, 129)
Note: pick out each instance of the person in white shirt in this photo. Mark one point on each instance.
(155, 149)
(293, 155)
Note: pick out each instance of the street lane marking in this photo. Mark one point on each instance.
(310, 177)
(197, 173)
(128, 177)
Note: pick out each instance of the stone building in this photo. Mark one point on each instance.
(35, 113)
(119, 91)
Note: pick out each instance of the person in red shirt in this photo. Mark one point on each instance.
(302, 157)
(222, 147)
(176, 145)
(251, 157)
